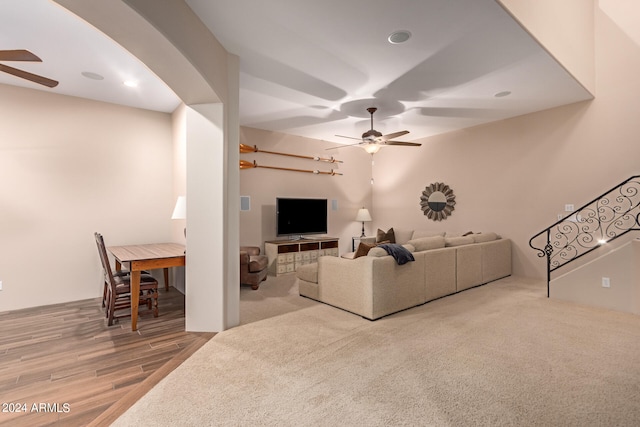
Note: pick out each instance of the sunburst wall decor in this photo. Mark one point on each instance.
(437, 201)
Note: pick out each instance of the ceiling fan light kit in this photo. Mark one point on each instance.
(372, 148)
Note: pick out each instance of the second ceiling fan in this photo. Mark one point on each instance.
(372, 140)
(25, 56)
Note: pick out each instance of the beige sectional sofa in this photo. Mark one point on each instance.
(374, 285)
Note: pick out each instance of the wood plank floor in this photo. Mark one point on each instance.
(76, 370)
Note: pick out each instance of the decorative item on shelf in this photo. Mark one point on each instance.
(437, 201)
(247, 149)
(363, 216)
(249, 165)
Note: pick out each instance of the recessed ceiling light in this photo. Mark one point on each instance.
(502, 94)
(130, 83)
(92, 76)
(398, 37)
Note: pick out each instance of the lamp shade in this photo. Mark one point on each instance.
(363, 215)
(180, 211)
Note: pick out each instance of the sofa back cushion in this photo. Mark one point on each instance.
(380, 252)
(427, 243)
(484, 237)
(403, 235)
(419, 234)
(458, 241)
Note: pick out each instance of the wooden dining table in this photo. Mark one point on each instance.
(149, 256)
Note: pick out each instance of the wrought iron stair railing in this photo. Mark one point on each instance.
(605, 218)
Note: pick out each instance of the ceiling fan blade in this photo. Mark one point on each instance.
(18, 55)
(28, 76)
(409, 144)
(349, 137)
(345, 145)
(393, 135)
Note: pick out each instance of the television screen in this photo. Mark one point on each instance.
(301, 216)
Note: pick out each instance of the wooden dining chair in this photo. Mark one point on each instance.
(117, 294)
(116, 272)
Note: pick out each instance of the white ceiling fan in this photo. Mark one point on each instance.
(372, 140)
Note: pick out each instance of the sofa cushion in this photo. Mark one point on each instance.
(458, 233)
(427, 243)
(363, 249)
(402, 235)
(484, 237)
(419, 234)
(308, 272)
(458, 241)
(380, 252)
(388, 236)
(377, 252)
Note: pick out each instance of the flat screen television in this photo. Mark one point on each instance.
(297, 216)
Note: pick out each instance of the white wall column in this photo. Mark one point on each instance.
(205, 284)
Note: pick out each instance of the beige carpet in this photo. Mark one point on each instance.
(501, 354)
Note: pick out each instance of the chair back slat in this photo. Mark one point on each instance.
(104, 258)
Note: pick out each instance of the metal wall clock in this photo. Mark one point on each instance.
(437, 201)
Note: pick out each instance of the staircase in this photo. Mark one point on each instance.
(604, 219)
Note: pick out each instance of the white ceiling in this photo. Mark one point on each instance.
(311, 68)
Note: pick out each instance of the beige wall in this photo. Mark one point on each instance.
(351, 190)
(70, 167)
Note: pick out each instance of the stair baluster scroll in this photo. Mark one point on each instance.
(605, 218)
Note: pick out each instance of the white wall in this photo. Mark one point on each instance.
(70, 167)
(205, 219)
